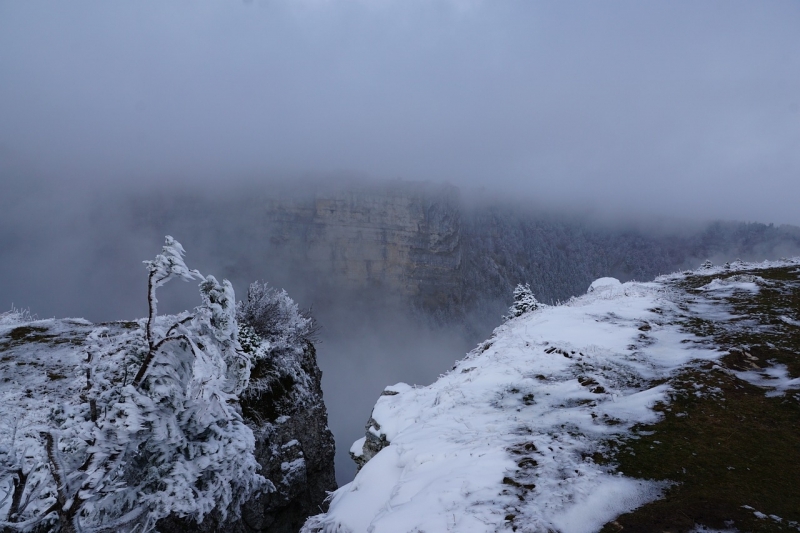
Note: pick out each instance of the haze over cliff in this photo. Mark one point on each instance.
(399, 166)
(404, 277)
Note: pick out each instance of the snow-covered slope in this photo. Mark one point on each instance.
(507, 439)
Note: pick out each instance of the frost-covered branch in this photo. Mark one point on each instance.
(148, 360)
(67, 504)
(121, 456)
(19, 483)
(178, 324)
(26, 525)
(119, 524)
(167, 265)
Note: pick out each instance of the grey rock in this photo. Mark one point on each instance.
(372, 444)
(295, 449)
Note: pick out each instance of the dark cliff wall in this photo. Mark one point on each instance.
(295, 449)
(561, 255)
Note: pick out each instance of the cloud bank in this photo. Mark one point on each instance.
(676, 108)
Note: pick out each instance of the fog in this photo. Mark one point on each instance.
(85, 260)
(659, 106)
(629, 111)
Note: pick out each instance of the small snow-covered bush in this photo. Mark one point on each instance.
(15, 316)
(273, 315)
(524, 301)
(274, 332)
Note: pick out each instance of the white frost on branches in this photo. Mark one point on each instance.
(274, 331)
(132, 450)
(167, 265)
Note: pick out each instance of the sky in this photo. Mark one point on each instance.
(671, 108)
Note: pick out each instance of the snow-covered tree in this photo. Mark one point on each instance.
(524, 301)
(707, 264)
(274, 332)
(170, 441)
(273, 315)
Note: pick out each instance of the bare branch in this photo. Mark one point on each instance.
(178, 323)
(55, 468)
(151, 307)
(152, 353)
(20, 482)
(66, 506)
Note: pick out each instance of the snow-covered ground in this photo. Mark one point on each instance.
(504, 441)
(112, 427)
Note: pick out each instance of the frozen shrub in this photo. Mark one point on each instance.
(273, 315)
(275, 333)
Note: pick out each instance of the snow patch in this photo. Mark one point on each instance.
(604, 284)
(734, 283)
(789, 321)
(357, 448)
(775, 378)
(613, 496)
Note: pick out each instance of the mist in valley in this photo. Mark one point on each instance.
(375, 330)
(307, 144)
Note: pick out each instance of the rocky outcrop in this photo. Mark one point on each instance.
(369, 445)
(295, 449)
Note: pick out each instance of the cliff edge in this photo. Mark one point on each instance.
(671, 405)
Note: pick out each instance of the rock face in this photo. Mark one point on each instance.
(418, 242)
(402, 237)
(295, 449)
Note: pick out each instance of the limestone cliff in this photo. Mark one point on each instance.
(402, 237)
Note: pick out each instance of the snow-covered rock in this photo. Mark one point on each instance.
(504, 440)
(164, 423)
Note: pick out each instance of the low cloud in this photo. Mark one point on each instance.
(673, 108)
